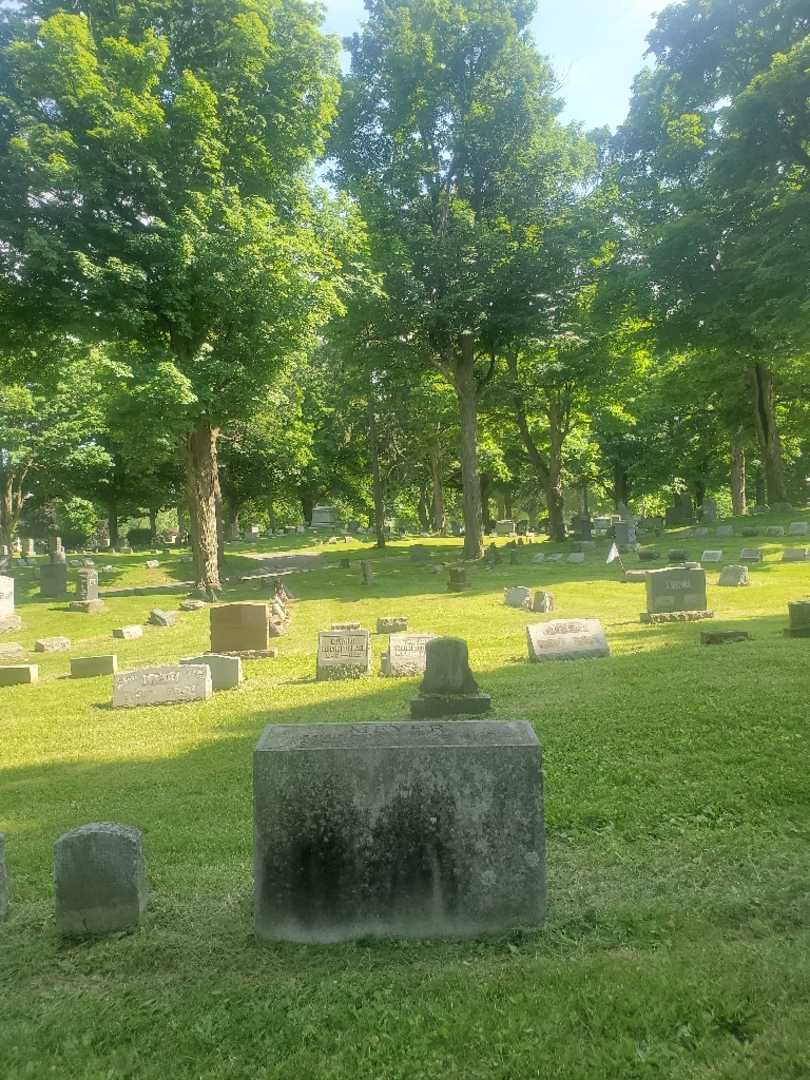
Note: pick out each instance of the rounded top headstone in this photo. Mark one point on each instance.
(447, 668)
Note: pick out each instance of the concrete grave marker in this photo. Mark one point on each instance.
(448, 688)
(723, 637)
(345, 626)
(159, 617)
(799, 612)
(52, 644)
(734, 576)
(242, 628)
(775, 530)
(566, 639)
(505, 528)
(543, 601)
(457, 579)
(724, 530)
(18, 674)
(87, 667)
(392, 624)
(99, 879)
(226, 671)
(675, 590)
(406, 829)
(53, 580)
(406, 654)
(798, 528)
(517, 596)
(794, 555)
(128, 633)
(169, 684)
(712, 555)
(751, 555)
(343, 654)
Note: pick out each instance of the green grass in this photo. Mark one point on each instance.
(678, 821)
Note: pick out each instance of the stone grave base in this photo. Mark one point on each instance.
(435, 706)
(675, 616)
(89, 607)
(10, 623)
(723, 637)
(397, 830)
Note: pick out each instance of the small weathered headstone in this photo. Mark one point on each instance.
(708, 510)
(751, 555)
(448, 688)
(3, 879)
(566, 639)
(624, 533)
(543, 601)
(52, 644)
(343, 654)
(724, 530)
(366, 572)
(192, 605)
(676, 590)
(576, 557)
(226, 671)
(18, 674)
(99, 879)
(397, 830)
(723, 637)
(53, 580)
(517, 596)
(794, 555)
(799, 612)
(457, 579)
(648, 555)
(798, 528)
(243, 628)
(775, 530)
(505, 527)
(159, 617)
(392, 624)
(169, 684)
(406, 654)
(128, 633)
(712, 555)
(750, 530)
(734, 576)
(677, 555)
(87, 667)
(419, 553)
(345, 564)
(11, 650)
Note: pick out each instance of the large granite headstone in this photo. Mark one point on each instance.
(53, 580)
(241, 628)
(324, 517)
(675, 589)
(169, 684)
(566, 639)
(517, 596)
(624, 533)
(343, 654)
(99, 879)
(87, 592)
(798, 528)
(799, 612)
(448, 688)
(402, 829)
(794, 555)
(406, 654)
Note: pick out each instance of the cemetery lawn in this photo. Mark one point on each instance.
(678, 826)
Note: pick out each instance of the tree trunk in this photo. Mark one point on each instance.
(307, 503)
(200, 460)
(759, 488)
(112, 523)
(152, 527)
(439, 513)
(220, 512)
(770, 445)
(467, 393)
(376, 473)
(423, 509)
(12, 497)
(585, 501)
(738, 502)
(486, 513)
(621, 485)
(508, 505)
(553, 486)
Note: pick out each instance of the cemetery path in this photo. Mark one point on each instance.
(281, 562)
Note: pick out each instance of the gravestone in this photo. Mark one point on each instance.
(794, 555)
(492, 556)
(700, 532)
(9, 621)
(159, 617)
(343, 654)
(569, 639)
(12, 650)
(3, 879)
(724, 530)
(53, 580)
(635, 575)
(457, 579)
(28, 548)
(397, 830)
(54, 544)
(18, 674)
(602, 524)
(406, 654)
(576, 557)
(517, 596)
(168, 684)
(681, 512)
(99, 879)
(324, 517)
(87, 667)
(226, 671)
(676, 590)
(798, 528)
(775, 530)
(749, 531)
(128, 633)
(585, 545)
(799, 612)
(505, 527)
(345, 564)
(678, 555)
(52, 644)
(448, 688)
(418, 553)
(583, 527)
(708, 510)
(734, 576)
(543, 601)
(242, 628)
(392, 624)
(723, 637)
(345, 626)
(192, 605)
(624, 533)
(152, 564)
(557, 556)
(539, 557)
(87, 593)
(254, 532)
(366, 573)
(648, 555)
(751, 555)
(713, 555)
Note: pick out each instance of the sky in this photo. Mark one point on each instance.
(596, 48)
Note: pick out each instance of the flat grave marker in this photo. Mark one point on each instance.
(566, 639)
(168, 684)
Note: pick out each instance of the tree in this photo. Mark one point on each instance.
(448, 138)
(157, 158)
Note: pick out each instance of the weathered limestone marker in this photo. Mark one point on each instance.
(751, 555)
(723, 637)
(734, 576)
(226, 671)
(799, 612)
(566, 639)
(798, 528)
(392, 624)
(543, 602)
(775, 530)
(87, 667)
(457, 579)
(794, 555)
(87, 593)
(99, 879)
(243, 629)
(159, 617)
(128, 633)
(18, 674)
(52, 644)
(505, 528)
(448, 688)
(3, 879)
(724, 530)
(8, 620)
(167, 685)
(53, 580)
(713, 555)
(517, 596)
(406, 654)
(397, 829)
(676, 594)
(343, 654)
